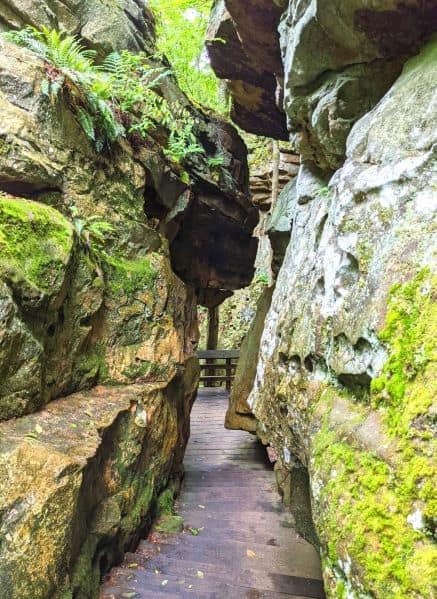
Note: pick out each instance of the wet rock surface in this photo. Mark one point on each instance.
(357, 263)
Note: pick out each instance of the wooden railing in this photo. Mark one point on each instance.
(218, 366)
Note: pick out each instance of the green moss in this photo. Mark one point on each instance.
(168, 521)
(141, 509)
(130, 276)
(169, 524)
(407, 384)
(145, 368)
(91, 367)
(166, 503)
(366, 502)
(366, 505)
(365, 254)
(35, 242)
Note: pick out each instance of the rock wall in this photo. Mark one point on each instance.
(103, 257)
(345, 385)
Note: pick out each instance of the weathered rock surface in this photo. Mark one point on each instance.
(348, 350)
(79, 476)
(261, 179)
(338, 60)
(243, 46)
(80, 312)
(239, 415)
(79, 481)
(104, 26)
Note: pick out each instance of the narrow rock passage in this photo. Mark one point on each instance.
(243, 544)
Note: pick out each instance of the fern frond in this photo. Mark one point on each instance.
(87, 123)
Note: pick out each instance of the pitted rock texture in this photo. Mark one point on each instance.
(346, 376)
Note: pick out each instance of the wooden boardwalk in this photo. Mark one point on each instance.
(243, 545)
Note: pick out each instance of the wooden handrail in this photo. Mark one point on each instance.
(218, 354)
(213, 357)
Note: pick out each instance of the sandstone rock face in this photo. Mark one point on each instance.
(101, 264)
(76, 315)
(249, 32)
(104, 26)
(82, 310)
(345, 379)
(347, 350)
(80, 479)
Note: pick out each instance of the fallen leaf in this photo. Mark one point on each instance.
(133, 565)
(250, 553)
(200, 574)
(194, 531)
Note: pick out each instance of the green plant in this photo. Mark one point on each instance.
(135, 84)
(92, 233)
(120, 96)
(187, 20)
(262, 277)
(182, 142)
(72, 74)
(214, 161)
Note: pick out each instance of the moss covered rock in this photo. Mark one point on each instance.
(348, 350)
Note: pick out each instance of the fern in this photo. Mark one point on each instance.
(125, 83)
(87, 123)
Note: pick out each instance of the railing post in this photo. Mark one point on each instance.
(211, 343)
(228, 373)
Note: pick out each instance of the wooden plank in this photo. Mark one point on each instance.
(245, 544)
(218, 354)
(215, 377)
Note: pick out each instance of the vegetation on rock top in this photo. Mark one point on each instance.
(120, 97)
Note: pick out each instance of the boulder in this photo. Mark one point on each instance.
(243, 46)
(347, 350)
